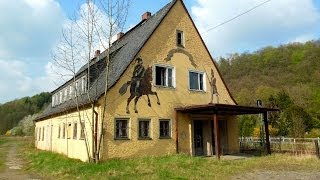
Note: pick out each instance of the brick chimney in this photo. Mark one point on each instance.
(146, 16)
(96, 53)
(120, 34)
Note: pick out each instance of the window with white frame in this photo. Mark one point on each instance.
(164, 128)
(66, 94)
(61, 97)
(196, 80)
(164, 76)
(70, 91)
(180, 38)
(121, 129)
(144, 128)
(84, 84)
(53, 100)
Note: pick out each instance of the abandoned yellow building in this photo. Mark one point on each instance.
(165, 95)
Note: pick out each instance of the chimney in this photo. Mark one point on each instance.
(146, 16)
(97, 53)
(120, 34)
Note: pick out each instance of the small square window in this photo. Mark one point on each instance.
(164, 76)
(196, 81)
(121, 129)
(164, 129)
(144, 129)
(180, 38)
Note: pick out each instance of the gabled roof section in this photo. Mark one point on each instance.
(123, 52)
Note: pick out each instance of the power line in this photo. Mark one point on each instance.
(237, 16)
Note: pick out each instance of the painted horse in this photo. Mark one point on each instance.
(144, 88)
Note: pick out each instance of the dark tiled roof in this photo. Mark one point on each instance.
(123, 52)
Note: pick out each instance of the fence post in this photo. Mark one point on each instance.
(316, 143)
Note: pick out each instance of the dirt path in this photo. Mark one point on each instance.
(14, 164)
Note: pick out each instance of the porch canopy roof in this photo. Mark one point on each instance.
(223, 109)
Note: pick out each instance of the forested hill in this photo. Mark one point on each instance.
(292, 70)
(14, 111)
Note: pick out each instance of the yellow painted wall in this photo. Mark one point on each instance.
(73, 148)
(154, 52)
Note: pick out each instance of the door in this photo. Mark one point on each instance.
(198, 138)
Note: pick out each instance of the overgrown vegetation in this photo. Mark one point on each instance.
(2, 153)
(286, 77)
(11, 113)
(166, 167)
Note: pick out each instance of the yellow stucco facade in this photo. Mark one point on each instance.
(160, 50)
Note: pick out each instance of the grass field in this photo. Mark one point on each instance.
(48, 164)
(2, 153)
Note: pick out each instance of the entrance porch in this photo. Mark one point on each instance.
(212, 129)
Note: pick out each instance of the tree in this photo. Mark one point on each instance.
(98, 23)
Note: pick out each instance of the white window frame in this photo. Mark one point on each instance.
(61, 97)
(182, 38)
(53, 100)
(203, 81)
(65, 94)
(166, 80)
(70, 91)
(84, 84)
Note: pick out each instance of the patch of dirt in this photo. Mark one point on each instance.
(278, 175)
(14, 165)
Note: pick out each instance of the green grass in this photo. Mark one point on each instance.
(48, 164)
(2, 153)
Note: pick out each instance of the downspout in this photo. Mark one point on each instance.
(96, 135)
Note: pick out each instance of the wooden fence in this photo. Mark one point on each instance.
(297, 146)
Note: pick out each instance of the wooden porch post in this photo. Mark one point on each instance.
(177, 131)
(216, 135)
(265, 120)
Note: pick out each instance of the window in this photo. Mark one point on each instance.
(196, 81)
(39, 135)
(144, 129)
(75, 130)
(63, 131)
(43, 134)
(53, 100)
(121, 129)
(84, 84)
(82, 130)
(164, 76)
(66, 94)
(70, 91)
(59, 129)
(164, 128)
(61, 97)
(180, 38)
(69, 130)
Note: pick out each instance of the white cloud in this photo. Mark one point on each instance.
(29, 30)
(273, 23)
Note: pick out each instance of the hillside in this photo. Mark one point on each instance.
(11, 113)
(289, 71)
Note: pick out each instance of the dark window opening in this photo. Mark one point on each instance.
(164, 129)
(144, 129)
(121, 129)
(164, 76)
(180, 38)
(196, 81)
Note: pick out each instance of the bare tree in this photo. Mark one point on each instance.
(95, 25)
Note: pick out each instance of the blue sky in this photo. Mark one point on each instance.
(30, 29)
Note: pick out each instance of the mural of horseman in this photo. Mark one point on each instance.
(140, 84)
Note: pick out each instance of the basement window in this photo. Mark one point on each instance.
(165, 76)
(180, 38)
(196, 81)
(121, 129)
(144, 129)
(164, 129)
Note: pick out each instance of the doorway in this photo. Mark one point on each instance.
(198, 138)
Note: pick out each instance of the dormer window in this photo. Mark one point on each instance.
(84, 84)
(180, 38)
